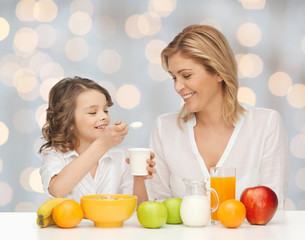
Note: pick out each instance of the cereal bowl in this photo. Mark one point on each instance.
(108, 210)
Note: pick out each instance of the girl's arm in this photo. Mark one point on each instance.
(64, 182)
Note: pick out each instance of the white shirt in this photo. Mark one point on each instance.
(112, 174)
(258, 149)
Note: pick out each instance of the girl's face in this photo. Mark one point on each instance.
(200, 89)
(90, 116)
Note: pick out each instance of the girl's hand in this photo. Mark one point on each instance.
(150, 168)
(114, 134)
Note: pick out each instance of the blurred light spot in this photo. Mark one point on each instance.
(26, 40)
(279, 83)
(246, 95)
(25, 80)
(24, 10)
(8, 70)
(4, 132)
(238, 58)
(82, 6)
(143, 25)
(80, 23)
(153, 51)
(46, 35)
(162, 7)
(298, 120)
(251, 65)
(46, 86)
(9, 65)
(132, 26)
(32, 95)
(297, 146)
(25, 177)
(76, 49)
(5, 28)
(249, 34)
(128, 96)
(24, 120)
(149, 23)
(1, 162)
(51, 70)
(156, 72)
(45, 11)
(40, 115)
(289, 205)
(296, 96)
(38, 60)
(110, 87)
(303, 44)
(6, 193)
(35, 181)
(109, 61)
(25, 207)
(104, 26)
(253, 4)
(300, 178)
(212, 22)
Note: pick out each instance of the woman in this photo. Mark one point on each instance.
(212, 128)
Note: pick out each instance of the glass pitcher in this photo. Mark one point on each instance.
(195, 209)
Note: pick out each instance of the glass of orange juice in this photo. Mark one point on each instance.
(223, 181)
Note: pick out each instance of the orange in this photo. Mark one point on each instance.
(232, 213)
(67, 214)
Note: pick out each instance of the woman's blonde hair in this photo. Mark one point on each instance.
(57, 131)
(209, 47)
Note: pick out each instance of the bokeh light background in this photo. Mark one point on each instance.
(118, 44)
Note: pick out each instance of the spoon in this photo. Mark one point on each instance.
(136, 125)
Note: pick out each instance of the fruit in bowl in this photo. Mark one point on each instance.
(108, 210)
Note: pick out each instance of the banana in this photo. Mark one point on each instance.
(46, 208)
(45, 222)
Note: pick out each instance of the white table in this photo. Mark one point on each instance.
(288, 225)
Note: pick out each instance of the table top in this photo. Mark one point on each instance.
(284, 225)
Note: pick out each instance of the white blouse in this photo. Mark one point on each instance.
(112, 175)
(258, 149)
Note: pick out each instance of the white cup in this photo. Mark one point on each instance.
(138, 157)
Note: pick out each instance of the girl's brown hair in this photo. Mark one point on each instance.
(209, 47)
(57, 131)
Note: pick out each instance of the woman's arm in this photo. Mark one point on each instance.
(275, 164)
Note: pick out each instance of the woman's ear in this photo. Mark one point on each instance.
(219, 78)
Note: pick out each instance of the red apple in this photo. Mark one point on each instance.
(261, 204)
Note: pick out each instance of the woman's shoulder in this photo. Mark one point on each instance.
(168, 117)
(259, 113)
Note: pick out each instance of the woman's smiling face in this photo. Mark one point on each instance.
(200, 89)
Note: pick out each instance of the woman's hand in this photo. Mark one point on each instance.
(150, 168)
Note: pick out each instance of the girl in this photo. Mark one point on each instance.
(78, 156)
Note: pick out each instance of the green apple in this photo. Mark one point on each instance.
(152, 214)
(173, 210)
